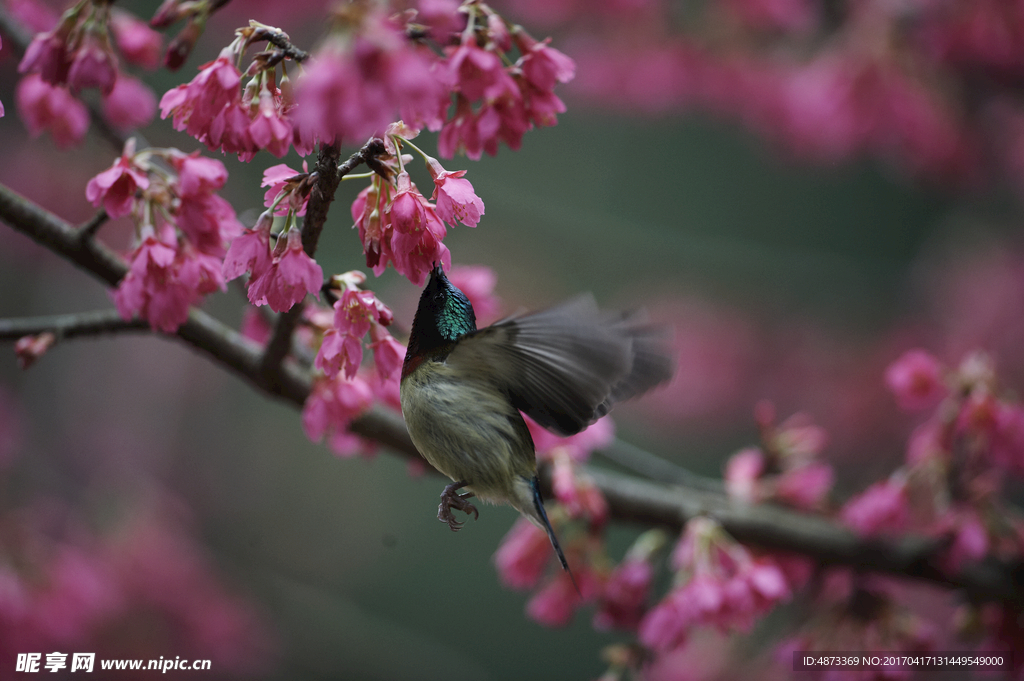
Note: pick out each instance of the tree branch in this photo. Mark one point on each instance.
(629, 499)
(95, 323)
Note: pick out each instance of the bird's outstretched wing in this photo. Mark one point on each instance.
(566, 366)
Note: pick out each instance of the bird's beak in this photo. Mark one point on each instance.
(437, 271)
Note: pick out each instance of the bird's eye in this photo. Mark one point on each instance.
(438, 297)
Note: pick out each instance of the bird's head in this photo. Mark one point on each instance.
(444, 315)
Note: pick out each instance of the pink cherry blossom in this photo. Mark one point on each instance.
(369, 214)
(416, 233)
(331, 406)
(164, 280)
(542, 65)
(269, 129)
(479, 73)
(576, 491)
(916, 380)
(881, 507)
(93, 64)
(388, 354)
(115, 187)
(139, 43)
(45, 107)
(721, 584)
(805, 486)
(624, 599)
(250, 252)
(275, 177)
(742, 472)
(131, 104)
(290, 277)
(355, 313)
(456, 200)
(523, 555)
(354, 89)
(555, 604)
(47, 55)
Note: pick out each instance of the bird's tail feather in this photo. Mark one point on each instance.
(538, 504)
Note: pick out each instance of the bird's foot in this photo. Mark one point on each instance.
(451, 499)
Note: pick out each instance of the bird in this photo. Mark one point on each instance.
(464, 390)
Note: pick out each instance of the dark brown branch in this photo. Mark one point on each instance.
(628, 499)
(88, 230)
(279, 39)
(94, 323)
(326, 177)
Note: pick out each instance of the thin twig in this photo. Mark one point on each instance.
(72, 325)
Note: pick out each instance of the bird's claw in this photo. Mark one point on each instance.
(451, 499)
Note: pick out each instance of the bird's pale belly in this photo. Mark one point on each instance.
(467, 430)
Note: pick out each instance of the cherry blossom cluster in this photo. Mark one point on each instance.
(369, 73)
(718, 582)
(77, 54)
(785, 468)
(219, 111)
(356, 314)
(956, 461)
(950, 488)
(398, 225)
(182, 228)
(494, 102)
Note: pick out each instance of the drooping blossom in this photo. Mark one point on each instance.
(883, 506)
(331, 406)
(916, 380)
(357, 83)
(138, 43)
(456, 201)
(250, 251)
(555, 603)
(52, 108)
(498, 103)
(164, 279)
(205, 217)
(416, 233)
(388, 353)
(355, 312)
(576, 491)
(115, 187)
(291, 275)
(131, 104)
(623, 600)
(209, 107)
(722, 584)
(523, 555)
(93, 64)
